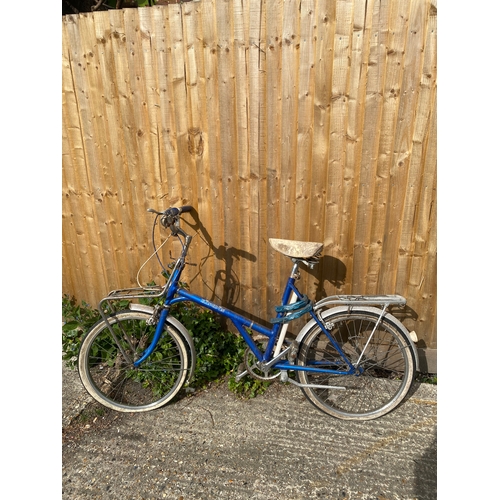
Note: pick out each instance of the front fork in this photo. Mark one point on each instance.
(159, 317)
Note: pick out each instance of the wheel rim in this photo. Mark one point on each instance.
(384, 375)
(109, 373)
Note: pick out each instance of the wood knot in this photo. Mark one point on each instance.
(195, 141)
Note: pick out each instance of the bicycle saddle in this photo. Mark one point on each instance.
(297, 249)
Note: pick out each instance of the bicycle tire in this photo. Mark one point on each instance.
(112, 380)
(387, 367)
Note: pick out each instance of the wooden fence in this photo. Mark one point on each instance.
(300, 119)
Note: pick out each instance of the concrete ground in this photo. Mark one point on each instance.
(277, 446)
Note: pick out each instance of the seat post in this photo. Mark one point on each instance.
(284, 327)
(295, 274)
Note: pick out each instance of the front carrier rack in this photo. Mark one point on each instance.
(145, 292)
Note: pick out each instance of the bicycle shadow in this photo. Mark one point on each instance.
(225, 278)
(332, 270)
(329, 270)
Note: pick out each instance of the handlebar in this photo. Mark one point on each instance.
(171, 215)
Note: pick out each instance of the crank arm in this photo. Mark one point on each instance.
(265, 367)
(241, 375)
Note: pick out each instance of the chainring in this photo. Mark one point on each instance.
(253, 370)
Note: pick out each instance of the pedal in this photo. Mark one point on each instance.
(241, 374)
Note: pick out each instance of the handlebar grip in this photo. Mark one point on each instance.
(185, 208)
(172, 211)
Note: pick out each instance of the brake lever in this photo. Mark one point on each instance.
(150, 210)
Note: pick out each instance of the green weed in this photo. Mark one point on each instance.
(219, 352)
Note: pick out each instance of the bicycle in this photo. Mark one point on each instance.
(353, 360)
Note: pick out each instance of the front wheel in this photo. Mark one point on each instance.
(383, 357)
(106, 368)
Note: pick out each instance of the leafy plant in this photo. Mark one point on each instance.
(427, 378)
(77, 320)
(219, 352)
(247, 387)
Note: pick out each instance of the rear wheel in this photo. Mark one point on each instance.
(106, 362)
(385, 372)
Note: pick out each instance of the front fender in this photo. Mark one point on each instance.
(180, 329)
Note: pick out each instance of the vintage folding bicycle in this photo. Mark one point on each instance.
(353, 359)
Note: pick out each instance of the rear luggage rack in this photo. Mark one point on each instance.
(365, 300)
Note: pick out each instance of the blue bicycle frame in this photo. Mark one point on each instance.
(175, 294)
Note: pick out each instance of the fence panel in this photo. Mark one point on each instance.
(301, 119)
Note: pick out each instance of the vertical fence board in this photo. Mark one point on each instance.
(424, 306)
(241, 41)
(167, 143)
(305, 168)
(113, 165)
(422, 276)
(339, 186)
(290, 54)
(274, 30)
(354, 217)
(229, 150)
(408, 147)
(196, 132)
(305, 116)
(371, 139)
(257, 151)
(409, 138)
(215, 205)
(200, 145)
(366, 134)
(316, 196)
(392, 196)
(74, 159)
(71, 146)
(324, 59)
(136, 135)
(151, 105)
(180, 101)
(125, 158)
